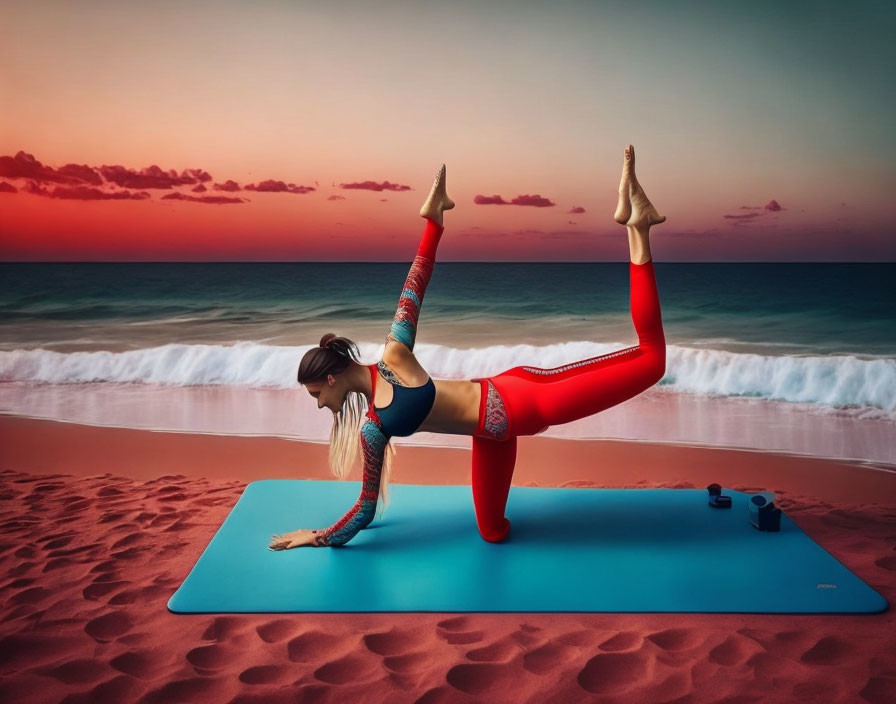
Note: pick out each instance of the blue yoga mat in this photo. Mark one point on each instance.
(586, 550)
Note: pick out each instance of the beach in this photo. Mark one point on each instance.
(102, 524)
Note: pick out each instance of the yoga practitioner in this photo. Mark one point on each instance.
(401, 398)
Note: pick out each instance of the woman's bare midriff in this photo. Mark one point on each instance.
(456, 408)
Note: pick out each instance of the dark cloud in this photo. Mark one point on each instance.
(773, 206)
(79, 176)
(24, 165)
(490, 200)
(81, 193)
(578, 210)
(570, 222)
(200, 175)
(336, 198)
(374, 186)
(7, 188)
(271, 186)
(150, 177)
(213, 200)
(536, 201)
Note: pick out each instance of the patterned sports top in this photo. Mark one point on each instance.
(410, 404)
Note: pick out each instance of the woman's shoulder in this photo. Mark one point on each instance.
(400, 360)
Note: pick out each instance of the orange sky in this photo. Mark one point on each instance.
(759, 140)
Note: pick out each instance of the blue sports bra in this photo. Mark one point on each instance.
(410, 404)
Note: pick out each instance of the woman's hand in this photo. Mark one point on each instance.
(295, 539)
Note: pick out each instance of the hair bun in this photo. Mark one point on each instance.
(327, 339)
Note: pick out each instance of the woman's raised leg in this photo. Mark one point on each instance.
(538, 398)
(404, 325)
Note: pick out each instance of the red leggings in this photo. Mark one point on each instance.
(536, 398)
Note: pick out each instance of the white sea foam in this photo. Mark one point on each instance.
(843, 381)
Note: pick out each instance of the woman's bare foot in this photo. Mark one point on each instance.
(632, 199)
(438, 200)
(624, 207)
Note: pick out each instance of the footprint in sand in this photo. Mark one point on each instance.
(210, 657)
(396, 641)
(222, 628)
(879, 689)
(352, 669)
(307, 647)
(626, 640)
(31, 595)
(675, 639)
(614, 673)
(499, 651)
(97, 590)
(108, 626)
(481, 678)
(143, 664)
(267, 674)
(456, 631)
(828, 651)
(587, 639)
(411, 663)
(276, 630)
(78, 671)
(548, 657)
(734, 650)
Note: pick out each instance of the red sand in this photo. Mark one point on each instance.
(101, 525)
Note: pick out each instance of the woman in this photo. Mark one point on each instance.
(402, 398)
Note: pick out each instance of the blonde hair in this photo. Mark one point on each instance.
(345, 445)
(333, 356)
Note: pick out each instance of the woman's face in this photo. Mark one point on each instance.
(326, 393)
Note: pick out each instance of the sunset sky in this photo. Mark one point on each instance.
(311, 131)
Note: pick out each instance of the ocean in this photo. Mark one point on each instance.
(810, 340)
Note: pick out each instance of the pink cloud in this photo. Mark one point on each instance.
(536, 201)
(374, 186)
(199, 189)
(490, 200)
(745, 216)
(577, 210)
(213, 200)
(336, 198)
(7, 188)
(271, 186)
(82, 193)
(228, 185)
(773, 206)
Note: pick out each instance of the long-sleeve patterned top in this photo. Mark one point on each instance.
(374, 439)
(373, 445)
